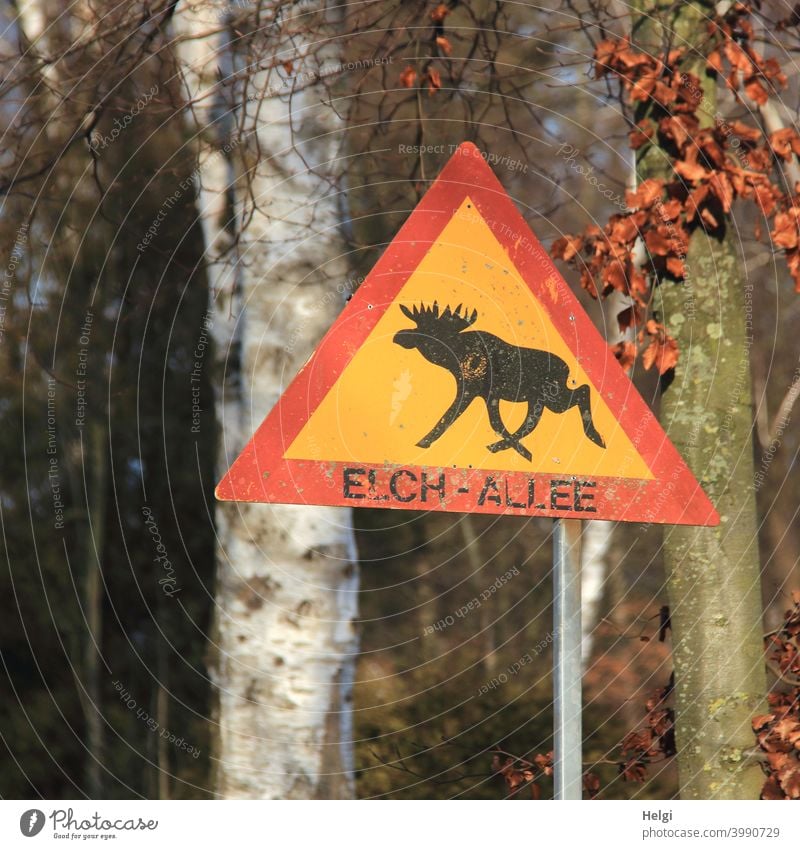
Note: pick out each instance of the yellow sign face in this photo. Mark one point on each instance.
(465, 370)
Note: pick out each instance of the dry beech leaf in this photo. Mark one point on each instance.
(434, 80)
(444, 45)
(408, 77)
(439, 13)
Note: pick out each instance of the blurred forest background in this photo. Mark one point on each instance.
(111, 436)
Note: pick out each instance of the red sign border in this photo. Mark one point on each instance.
(262, 474)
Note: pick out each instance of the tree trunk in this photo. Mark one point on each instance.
(285, 642)
(713, 575)
(97, 452)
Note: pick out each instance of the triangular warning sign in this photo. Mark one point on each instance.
(464, 375)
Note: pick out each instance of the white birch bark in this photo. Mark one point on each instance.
(287, 577)
(598, 535)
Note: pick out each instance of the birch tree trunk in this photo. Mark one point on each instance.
(284, 639)
(713, 574)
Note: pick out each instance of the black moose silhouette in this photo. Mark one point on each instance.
(485, 366)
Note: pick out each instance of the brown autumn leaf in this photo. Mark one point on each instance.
(638, 287)
(788, 729)
(649, 86)
(633, 770)
(604, 54)
(664, 94)
(658, 241)
(785, 233)
(628, 59)
(771, 69)
(710, 219)
(637, 742)
(690, 91)
(408, 77)
(613, 277)
(648, 192)
(737, 57)
(591, 784)
(629, 317)
(760, 159)
(761, 720)
(434, 80)
(722, 188)
(662, 722)
(641, 134)
(660, 693)
(691, 171)
(662, 352)
(707, 143)
(744, 132)
(670, 210)
(765, 197)
(674, 56)
(678, 129)
(566, 247)
(622, 229)
(696, 200)
(755, 90)
(785, 142)
(788, 775)
(444, 45)
(545, 763)
(625, 352)
(676, 266)
(772, 790)
(587, 282)
(439, 13)
(714, 61)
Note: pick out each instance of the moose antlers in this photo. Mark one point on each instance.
(431, 316)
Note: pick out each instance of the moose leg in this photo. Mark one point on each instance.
(458, 406)
(509, 440)
(578, 398)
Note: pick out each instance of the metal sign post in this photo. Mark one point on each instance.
(567, 685)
